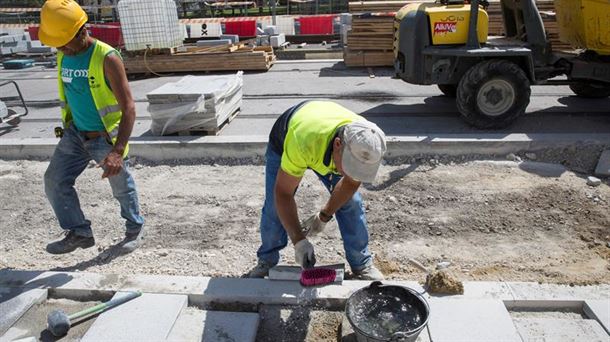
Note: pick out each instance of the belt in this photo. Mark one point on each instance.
(94, 134)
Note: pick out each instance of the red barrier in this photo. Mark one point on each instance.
(317, 24)
(240, 28)
(109, 33)
(33, 31)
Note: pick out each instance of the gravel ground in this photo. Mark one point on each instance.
(491, 220)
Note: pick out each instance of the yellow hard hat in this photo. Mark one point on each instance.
(60, 20)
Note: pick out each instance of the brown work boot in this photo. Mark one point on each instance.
(70, 243)
(261, 270)
(132, 241)
(369, 273)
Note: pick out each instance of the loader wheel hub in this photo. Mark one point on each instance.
(495, 97)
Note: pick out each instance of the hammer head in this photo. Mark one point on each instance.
(58, 323)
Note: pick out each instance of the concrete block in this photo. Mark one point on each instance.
(213, 42)
(14, 302)
(199, 325)
(41, 49)
(146, 318)
(271, 30)
(232, 37)
(470, 320)
(549, 329)
(278, 40)
(262, 40)
(600, 311)
(603, 165)
(34, 43)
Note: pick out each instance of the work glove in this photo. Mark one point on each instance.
(313, 225)
(304, 254)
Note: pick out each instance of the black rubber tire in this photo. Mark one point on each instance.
(591, 91)
(448, 89)
(477, 77)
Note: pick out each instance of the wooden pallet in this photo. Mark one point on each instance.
(221, 58)
(208, 131)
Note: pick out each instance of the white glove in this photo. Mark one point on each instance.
(313, 225)
(303, 254)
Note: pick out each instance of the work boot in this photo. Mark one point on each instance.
(132, 241)
(261, 270)
(369, 273)
(70, 243)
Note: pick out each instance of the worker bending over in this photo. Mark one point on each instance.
(343, 149)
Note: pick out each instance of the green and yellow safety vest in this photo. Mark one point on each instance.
(106, 103)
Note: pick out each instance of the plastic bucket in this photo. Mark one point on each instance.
(387, 313)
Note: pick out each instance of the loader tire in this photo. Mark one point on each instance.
(448, 89)
(590, 90)
(493, 93)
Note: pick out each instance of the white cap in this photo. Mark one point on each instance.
(363, 149)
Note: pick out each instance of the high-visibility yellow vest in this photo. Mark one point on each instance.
(106, 103)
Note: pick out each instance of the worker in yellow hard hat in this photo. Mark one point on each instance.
(98, 114)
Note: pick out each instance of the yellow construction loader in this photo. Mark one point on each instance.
(446, 43)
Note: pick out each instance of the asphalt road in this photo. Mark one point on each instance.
(399, 108)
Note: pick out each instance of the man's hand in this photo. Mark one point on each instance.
(304, 254)
(313, 225)
(112, 164)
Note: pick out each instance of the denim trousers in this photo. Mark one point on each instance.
(350, 218)
(72, 155)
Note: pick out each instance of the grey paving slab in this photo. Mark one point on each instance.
(560, 330)
(146, 318)
(603, 165)
(600, 311)
(470, 320)
(535, 291)
(14, 302)
(201, 325)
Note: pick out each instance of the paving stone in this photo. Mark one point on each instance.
(560, 330)
(470, 320)
(603, 165)
(199, 325)
(14, 302)
(149, 317)
(232, 37)
(535, 291)
(600, 311)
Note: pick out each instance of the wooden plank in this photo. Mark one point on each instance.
(207, 131)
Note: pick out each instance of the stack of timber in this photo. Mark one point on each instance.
(369, 43)
(228, 57)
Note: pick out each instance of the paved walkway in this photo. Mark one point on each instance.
(171, 308)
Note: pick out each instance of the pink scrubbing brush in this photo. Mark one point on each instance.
(317, 276)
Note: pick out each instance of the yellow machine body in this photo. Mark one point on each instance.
(585, 24)
(448, 23)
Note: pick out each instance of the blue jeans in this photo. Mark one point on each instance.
(350, 218)
(71, 157)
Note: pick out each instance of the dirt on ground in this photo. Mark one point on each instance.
(488, 220)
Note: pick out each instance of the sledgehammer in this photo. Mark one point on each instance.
(59, 323)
